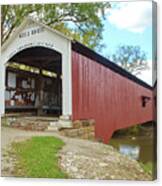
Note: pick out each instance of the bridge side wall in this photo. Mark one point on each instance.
(104, 95)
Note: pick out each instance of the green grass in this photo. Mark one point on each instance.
(38, 158)
(148, 167)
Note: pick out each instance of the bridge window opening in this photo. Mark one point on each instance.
(34, 82)
(145, 100)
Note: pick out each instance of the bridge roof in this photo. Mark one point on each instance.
(82, 49)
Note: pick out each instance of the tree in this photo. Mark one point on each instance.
(131, 58)
(81, 21)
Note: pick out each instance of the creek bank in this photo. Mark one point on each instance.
(139, 142)
(80, 158)
(92, 160)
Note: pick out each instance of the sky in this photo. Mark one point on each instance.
(130, 23)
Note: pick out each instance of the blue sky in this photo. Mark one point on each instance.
(113, 37)
(130, 23)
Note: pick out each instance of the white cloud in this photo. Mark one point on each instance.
(146, 75)
(132, 16)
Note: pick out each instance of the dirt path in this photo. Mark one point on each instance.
(79, 158)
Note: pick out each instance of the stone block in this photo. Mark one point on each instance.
(16, 125)
(92, 122)
(85, 123)
(72, 133)
(77, 124)
(80, 132)
(65, 117)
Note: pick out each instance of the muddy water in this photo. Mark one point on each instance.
(139, 148)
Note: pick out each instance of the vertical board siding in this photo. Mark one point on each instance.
(104, 95)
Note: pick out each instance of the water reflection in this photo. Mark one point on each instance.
(132, 151)
(140, 148)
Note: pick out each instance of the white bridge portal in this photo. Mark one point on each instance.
(30, 35)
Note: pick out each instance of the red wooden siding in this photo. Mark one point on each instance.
(104, 95)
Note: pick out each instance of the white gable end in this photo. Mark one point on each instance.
(33, 34)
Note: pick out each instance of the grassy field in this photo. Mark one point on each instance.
(38, 158)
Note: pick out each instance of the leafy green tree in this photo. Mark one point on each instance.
(81, 21)
(131, 58)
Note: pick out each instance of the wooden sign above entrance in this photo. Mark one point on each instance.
(33, 31)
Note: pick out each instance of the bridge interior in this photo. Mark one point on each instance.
(34, 82)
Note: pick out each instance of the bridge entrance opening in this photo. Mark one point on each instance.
(34, 82)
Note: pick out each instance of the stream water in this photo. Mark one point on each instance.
(139, 148)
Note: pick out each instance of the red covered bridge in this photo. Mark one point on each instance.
(78, 83)
(107, 93)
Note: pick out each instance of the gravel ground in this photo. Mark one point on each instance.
(80, 159)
